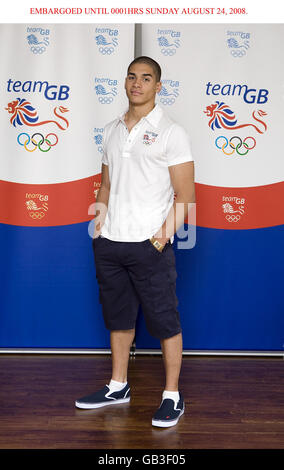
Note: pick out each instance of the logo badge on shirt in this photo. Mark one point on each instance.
(149, 137)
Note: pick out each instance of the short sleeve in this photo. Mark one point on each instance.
(104, 157)
(178, 146)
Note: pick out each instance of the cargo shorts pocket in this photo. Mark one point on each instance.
(163, 289)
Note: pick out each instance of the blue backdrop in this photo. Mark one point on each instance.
(228, 288)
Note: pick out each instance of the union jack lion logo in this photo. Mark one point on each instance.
(221, 116)
(24, 113)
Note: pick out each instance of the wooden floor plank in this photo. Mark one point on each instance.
(231, 403)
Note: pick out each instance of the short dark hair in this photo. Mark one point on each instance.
(147, 60)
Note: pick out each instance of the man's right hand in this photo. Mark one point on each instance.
(97, 233)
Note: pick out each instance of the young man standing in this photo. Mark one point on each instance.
(146, 160)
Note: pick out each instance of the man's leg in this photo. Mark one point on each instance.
(172, 405)
(120, 341)
(120, 307)
(118, 390)
(172, 357)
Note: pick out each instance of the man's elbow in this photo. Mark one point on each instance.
(105, 188)
(186, 196)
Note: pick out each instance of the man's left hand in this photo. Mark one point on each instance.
(162, 241)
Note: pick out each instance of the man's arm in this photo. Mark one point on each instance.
(182, 179)
(102, 201)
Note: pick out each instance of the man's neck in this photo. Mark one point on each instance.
(135, 113)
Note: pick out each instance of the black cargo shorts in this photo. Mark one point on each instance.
(134, 273)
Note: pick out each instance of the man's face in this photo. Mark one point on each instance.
(141, 85)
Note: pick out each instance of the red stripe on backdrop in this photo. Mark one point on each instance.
(47, 204)
(239, 208)
(72, 202)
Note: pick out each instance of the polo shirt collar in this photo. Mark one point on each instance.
(153, 117)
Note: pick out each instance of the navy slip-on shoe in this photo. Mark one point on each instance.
(167, 414)
(103, 397)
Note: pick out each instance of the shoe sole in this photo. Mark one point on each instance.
(90, 406)
(166, 424)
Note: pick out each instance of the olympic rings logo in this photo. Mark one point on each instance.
(36, 215)
(233, 218)
(106, 50)
(37, 145)
(105, 99)
(38, 50)
(237, 53)
(168, 51)
(235, 148)
(167, 101)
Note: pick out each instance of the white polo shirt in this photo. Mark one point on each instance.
(141, 193)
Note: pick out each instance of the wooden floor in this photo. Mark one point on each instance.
(231, 403)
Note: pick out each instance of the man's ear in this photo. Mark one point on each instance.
(158, 87)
